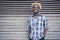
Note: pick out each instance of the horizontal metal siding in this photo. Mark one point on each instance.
(13, 18)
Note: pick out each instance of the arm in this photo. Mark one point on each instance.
(29, 30)
(28, 26)
(45, 31)
(45, 26)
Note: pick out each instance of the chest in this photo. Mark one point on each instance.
(36, 20)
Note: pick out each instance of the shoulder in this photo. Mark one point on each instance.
(30, 16)
(42, 16)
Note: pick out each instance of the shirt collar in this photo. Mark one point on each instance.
(39, 14)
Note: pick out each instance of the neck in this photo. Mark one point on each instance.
(35, 13)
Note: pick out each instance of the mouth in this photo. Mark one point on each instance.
(35, 10)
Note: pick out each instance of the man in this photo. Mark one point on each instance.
(37, 23)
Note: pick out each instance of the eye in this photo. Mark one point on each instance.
(36, 6)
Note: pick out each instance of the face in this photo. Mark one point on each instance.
(36, 8)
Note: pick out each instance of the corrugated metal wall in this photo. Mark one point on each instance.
(13, 18)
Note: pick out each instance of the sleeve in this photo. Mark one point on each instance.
(45, 23)
(28, 24)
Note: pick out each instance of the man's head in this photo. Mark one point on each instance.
(36, 7)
